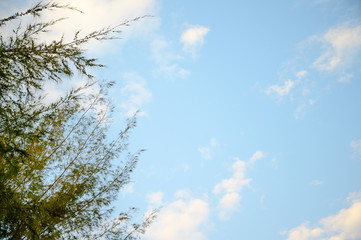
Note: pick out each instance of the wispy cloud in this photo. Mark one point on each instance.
(206, 151)
(356, 147)
(129, 188)
(317, 182)
(232, 187)
(303, 106)
(257, 156)
(183, 194)
(346, 78)
(167, 59)
(332, 54)
(301, 74)
(281, 90)
(342, 226)
(193, 38)
(342, 44)
(134, 94)
(179, 220)
(155, 199)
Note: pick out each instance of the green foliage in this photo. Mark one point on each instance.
(59, 172)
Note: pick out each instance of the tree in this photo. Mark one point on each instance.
(59, 172)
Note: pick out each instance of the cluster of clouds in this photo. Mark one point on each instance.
(185, 217)
(338, 48)
(346, 224)
(188, 217)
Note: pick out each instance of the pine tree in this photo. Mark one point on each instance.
(59, 171)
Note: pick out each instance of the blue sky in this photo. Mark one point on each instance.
(250, 113)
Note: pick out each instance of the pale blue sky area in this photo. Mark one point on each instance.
(250, 114)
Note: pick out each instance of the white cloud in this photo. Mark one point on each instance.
(342, 45)
(213, 142)
(95, 15)
(184, 73)
(155, 199)
(301, 74)
(185, 167)
(232, 187)
(261, 201)
(129, 188)
(53, 92)
(167, 57)
(167, 60)
(180, 220)
(356, 146)
(354, 197)
(304, 105)
(183, 194)
(193, 37)
(346, 78)
(303, 232)
(257, 156)
(227, 204)
(343, 226)
(306, 91)
(206, 151)
(274, 163)
(317, 182)
(281, 91)
(346, 224)
(236, 182)
(335, 51)
(98, 14)
(134, 94)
